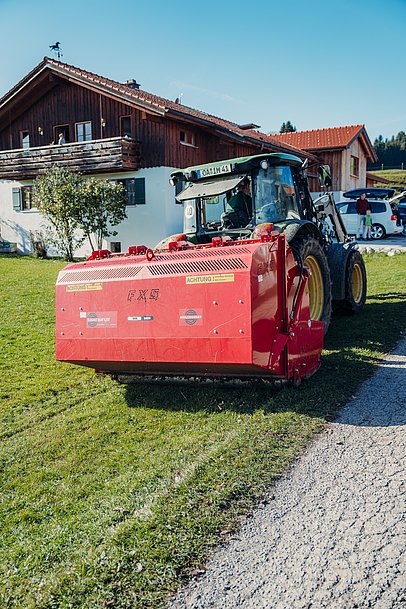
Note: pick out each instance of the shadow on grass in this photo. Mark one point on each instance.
(389, 296)
(354, 349)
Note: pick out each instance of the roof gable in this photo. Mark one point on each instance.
(329, 138)
(148, 102)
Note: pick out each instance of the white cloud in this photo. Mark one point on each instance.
(217, 94)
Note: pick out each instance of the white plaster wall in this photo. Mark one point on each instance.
(15, 226)
(158, 218)
(145, 225)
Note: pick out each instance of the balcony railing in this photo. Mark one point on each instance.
(97, 156)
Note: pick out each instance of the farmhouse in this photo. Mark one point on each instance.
(346, 149)
(60, 114)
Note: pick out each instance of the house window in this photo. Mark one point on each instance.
(354, 166)
(27, 200)
(83, 132)
(61, 129)
(187, 138)
(115, 247)
(135, 190)
(23, 198)
(125, 126)
(25, 139)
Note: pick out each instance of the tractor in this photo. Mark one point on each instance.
(243, 293)
(314, 229)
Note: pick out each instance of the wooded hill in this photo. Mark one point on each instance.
(391, 152)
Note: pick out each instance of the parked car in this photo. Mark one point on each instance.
(384, 220)
(401, 212)
(399, 204)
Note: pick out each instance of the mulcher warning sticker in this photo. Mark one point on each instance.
(84, 287)
(218, 278)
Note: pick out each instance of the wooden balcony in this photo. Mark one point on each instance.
(97, 156)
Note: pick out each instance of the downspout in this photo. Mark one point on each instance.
(101, 116)
(9, 130)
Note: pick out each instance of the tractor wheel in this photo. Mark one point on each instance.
(355, 285)
(309, 252)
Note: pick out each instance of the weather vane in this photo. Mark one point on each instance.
(56, 48)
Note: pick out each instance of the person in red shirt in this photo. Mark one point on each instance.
(361, 207)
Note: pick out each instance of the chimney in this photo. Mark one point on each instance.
(132, 83)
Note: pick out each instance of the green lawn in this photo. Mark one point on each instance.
(110, 495)
(396, 177)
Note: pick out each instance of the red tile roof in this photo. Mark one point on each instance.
(319, 139)
(155, 104)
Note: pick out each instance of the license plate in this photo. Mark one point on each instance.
(206, 172)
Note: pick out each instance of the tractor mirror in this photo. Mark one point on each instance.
(324, 173)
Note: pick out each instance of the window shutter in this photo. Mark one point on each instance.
(140, 191)
(17, 199)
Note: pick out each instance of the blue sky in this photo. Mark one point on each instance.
(317, 64)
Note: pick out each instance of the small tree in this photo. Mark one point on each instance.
(287, 127)
(57, 194)
(102, 205)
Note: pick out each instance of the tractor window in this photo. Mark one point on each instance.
(212, 209)
(275, 195)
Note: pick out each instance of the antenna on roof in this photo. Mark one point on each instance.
(56, 48)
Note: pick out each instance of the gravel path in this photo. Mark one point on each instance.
(332, 534)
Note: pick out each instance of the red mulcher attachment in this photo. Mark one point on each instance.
(228, 309)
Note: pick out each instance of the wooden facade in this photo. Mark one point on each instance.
(344, 178)
(54, 103)
(334, 159)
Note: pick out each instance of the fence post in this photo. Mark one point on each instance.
(382, 166)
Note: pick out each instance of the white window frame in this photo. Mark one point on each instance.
(189, 138)
(24, 192)
(83, 137)
(25, 144)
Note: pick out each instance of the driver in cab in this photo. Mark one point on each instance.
(239, 208)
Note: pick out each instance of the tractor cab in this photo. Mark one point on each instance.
(233, 197)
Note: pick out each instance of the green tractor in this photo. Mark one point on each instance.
(237, 198)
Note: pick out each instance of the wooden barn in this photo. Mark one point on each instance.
(60, 114)
(346, 149)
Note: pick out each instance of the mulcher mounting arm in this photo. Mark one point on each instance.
(325, 207)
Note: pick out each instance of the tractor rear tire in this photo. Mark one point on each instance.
(355, 288)
(309, 252)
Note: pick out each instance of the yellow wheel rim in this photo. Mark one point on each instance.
(315, 288)
(357, 283)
